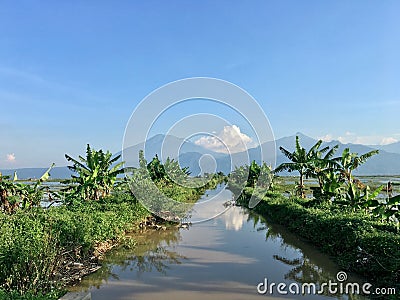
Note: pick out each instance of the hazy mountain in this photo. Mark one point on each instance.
(391, 148)
(289, 141)
(200, 159)
(163, 146)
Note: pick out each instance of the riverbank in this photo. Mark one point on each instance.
(358, 243)
(43, 250)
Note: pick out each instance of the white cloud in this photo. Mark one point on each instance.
(229, 140)
(326, 138)
(350, 137)
(11, 157)
(234, 219)
(388, 140)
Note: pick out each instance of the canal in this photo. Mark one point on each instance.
(224, 257)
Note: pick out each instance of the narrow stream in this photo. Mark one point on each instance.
(223, 258)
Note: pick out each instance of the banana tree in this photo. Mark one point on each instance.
(320, 166)
(174, 172)
(362, 198)
(31, 195)
(13, 194)
(388, 209)
(301, 161)
(95, 175)
(156, 169)
(349, 161)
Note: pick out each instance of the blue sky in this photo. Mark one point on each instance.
(72, 72)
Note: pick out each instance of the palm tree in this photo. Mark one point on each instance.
(96, 173)
(301, 161)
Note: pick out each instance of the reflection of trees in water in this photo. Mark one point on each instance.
(155, 260)
(304, 269)
(260, 224)
(151, 252)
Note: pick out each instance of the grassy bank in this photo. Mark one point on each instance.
(35, 243)
(359, 243)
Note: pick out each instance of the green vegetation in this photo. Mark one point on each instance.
(97, 175)
(336, 183)
(14, 195)
(307, 163)
(35, 243)
(343, 218)
(167, 190)
(359, 242)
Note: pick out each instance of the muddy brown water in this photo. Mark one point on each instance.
(225, 257)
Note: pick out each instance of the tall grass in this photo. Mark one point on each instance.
(32, 242)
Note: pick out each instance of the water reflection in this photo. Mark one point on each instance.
(150, 253)
(306, 264)
(224, 258)
(211, 205)
(234, 219)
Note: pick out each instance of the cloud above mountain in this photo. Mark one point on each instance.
(229, 140)
(350, 137)
(11, 157)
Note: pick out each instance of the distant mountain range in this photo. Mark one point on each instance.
(391, 148)
(200, 159)
(35, 173)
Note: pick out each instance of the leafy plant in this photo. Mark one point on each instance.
(8, 201)
(156, 169)
(96, 174)
(14, 195)
(361, 198)
(349, 161)
(387, 210)
(175, 173)
(305, 162)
